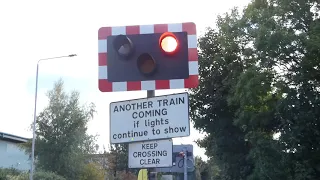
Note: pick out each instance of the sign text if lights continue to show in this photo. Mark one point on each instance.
(159, 117)
(150, 154)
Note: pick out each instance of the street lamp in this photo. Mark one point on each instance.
(35, 111)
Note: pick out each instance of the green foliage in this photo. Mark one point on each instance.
(5, 173)
(118, 161)
(42, 175)
(62, 142)
(10, 171)
(259, 75)
(92, 172)
(119, 157)
(219, 70)
(202, 168)
(14, 174)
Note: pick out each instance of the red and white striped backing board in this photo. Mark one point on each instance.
(191, 82)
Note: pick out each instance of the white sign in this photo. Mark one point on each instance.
(160, 117)
(150, 154)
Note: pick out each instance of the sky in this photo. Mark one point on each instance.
(36, 29)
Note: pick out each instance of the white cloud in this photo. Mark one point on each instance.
(36, 29)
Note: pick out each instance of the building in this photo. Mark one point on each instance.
(11, 155)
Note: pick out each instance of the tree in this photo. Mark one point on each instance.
(286, 38)
(14, 174)
(118, 161)
(62, 142)
(259, 75)
(220, 67)
(92, 172)
(202, 169)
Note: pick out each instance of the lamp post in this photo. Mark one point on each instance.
(35, 111)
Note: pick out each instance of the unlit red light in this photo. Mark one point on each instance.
(169, 44)
(146, 64)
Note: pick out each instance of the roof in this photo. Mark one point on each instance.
(12, 138)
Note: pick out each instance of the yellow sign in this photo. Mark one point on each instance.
(143, 174)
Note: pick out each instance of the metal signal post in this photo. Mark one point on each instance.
(148, 58)
(150, 94)
(185, 158)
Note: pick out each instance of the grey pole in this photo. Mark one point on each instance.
(150, 94)
(185, 158)
(35, 111)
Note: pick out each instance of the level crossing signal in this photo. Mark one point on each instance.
(148, 57)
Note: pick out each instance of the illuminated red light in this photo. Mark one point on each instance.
(168, 43)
